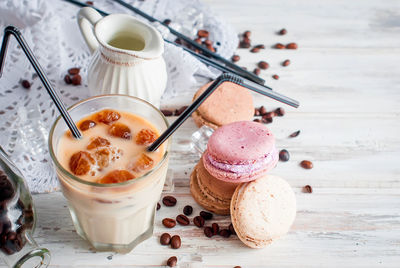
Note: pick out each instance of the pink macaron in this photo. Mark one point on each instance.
(240, 152)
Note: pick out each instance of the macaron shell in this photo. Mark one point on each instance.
(263, 210)
(241, 142)
(228, 103)
(235, 177)
(200, 121)
(207, 201)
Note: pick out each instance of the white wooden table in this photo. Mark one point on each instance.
(346, 74)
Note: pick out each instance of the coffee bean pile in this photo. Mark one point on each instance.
(202, 39)
(267, 117)
(176, 112)
(73, 77)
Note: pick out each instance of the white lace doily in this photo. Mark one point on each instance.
(51, 30)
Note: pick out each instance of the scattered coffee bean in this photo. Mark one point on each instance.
(279, 46)
(203, 33)
(256, 112)
(306, 164)
(25, 84)
(182, 220)
(231, 229)
(89, 3)
(257, 120)
(280, 111)
(237, 266)
(286, 63)
(67, 79)
(208, 42)
(176, 242)
(215, 228)
(188, 210)
(235, 58)
(255, 50)
(291, 46)
(76, 80)
(294, 134)
(158, 206)
(167, 21)
(179, 111)
(208, 232)
(257, 71)
(225, 233)
(167, 112)
(263, 110)
(172, 261)
(269, 115)
(169, 201)
(261, 46)
(284, 155)
(307, 189)
(247, 34)
(244, 44)
(168, 222)
(165, 239)
(275, 76)
(73, 71)
(282, 31)
(263, 65)
(206, 215)
(266, 119)
(198, 221)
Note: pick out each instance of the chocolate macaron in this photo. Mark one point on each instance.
(228, 103)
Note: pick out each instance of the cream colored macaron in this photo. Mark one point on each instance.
(263, 210)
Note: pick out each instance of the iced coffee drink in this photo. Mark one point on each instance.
(112, 183)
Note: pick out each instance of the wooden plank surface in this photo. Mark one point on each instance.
(346, 74)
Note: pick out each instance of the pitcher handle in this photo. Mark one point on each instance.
(87, 18)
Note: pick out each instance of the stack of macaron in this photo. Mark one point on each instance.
(228, 103)
(232, 178)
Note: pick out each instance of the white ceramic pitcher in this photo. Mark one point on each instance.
(127, 56)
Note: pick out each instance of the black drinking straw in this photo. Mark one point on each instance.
(11, 30)
(233, 67)
(226, 77)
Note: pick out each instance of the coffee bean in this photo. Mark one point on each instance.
(255, 50)
(306, 164)
(198, 221)
(286, 63)
(178, 41)
(231, 229)
(284, 155)
(158, 206)
(168, 222)
(261, 46)
(280, 111)
(208, 42)
(291, 46)
(167, 22)
(237, 266)
(165, 239)
(266, 119)
(307, 189)
(256, 71)
(269, 115)
(188, 210)
(182, 220)
(172, 261)
(90, 3)
(263, 110)
(279, 46)
(67, 79)
(169, 201)
(203, 33)
(76, 80)
(282, 32)
(73, 71)
(247, 34)
(206, 215)
(176, 242)
(179, 111)
(235, 58)
(225, 233)
(167, 112)
(215, 228)
(294, 134)
(275, 76)
(257, 120)
(26, 84)
(211, 48)
(263, 65)
(256, 112)
(208, 232)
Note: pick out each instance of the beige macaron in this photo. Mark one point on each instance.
(210, 193)
(228, 103)
(263, 210)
